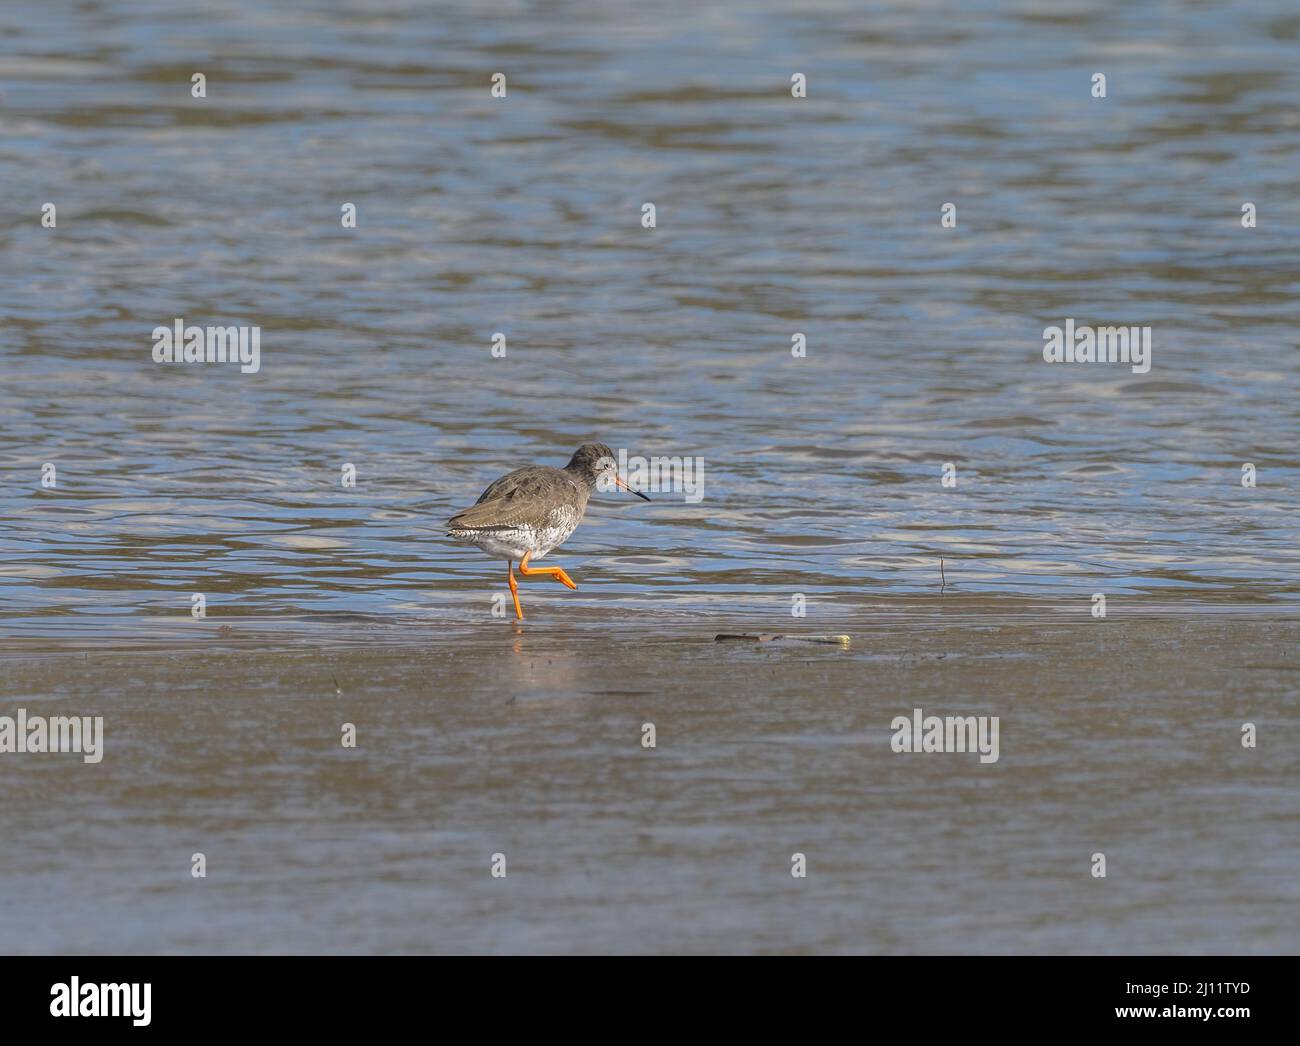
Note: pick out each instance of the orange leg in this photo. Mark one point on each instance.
(555, 573)
(514, 590)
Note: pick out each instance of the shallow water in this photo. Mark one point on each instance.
(821, 216)
(822, 475)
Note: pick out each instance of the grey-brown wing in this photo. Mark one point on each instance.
(527, 495)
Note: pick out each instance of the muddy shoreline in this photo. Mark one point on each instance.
(1120, 737)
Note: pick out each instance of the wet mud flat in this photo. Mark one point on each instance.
(526, 751)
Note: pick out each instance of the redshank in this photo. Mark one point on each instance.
(532, 510)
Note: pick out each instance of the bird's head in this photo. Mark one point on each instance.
(596, 465)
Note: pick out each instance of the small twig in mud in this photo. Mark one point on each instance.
(943, 582)
(336, 685)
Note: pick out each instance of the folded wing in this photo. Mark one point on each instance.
(526, 496)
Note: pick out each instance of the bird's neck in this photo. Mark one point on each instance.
(585, 477)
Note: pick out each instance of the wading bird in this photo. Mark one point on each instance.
(532, 510)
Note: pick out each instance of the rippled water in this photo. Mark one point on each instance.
(774, 216)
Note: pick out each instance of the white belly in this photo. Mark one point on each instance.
(513, 542)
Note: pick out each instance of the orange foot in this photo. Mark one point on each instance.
(555, 572)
